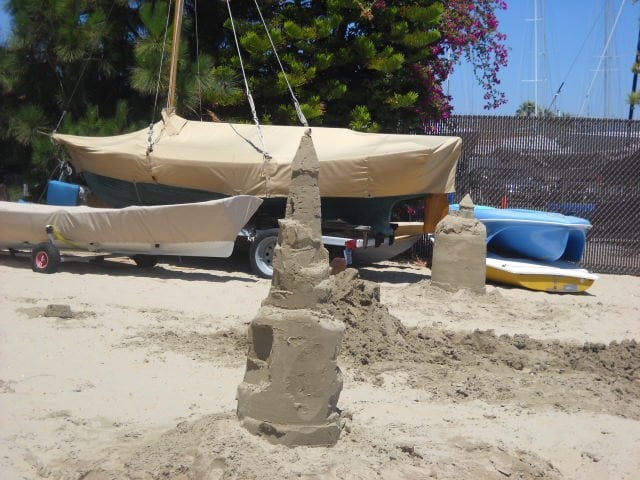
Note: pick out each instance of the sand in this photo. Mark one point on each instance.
(139, 380)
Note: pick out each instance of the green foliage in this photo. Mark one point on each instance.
(407, 100)
(62, 56)
(360, 120)
(387, 61)
(94, 124)
(528, 109)
(26, 123)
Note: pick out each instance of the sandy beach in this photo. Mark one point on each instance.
(139, 381)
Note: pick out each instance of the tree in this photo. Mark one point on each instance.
(368, 65)
(64, 57)
(529, 109)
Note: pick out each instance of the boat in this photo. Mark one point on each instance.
(533, 234)
(362, 175)
(196, 229)
(556, 277)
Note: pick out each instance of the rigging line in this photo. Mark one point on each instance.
(301, 116)
(82, 72)
(575, 60)
(252, 105)
(164, 43)
(606, 47)
(155, 100)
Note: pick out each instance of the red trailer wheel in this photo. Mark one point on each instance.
(45, 258)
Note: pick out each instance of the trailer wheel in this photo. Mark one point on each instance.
(261, 252)
(45, 258)
(145, 261)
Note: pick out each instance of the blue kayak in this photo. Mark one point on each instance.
(533, 234)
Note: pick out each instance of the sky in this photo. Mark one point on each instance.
(571, 49)
(572, 35)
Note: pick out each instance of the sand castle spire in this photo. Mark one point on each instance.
(292, 383)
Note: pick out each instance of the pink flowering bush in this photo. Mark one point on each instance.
(469, 30)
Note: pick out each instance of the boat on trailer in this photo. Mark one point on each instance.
(207, 229)
(362, 175)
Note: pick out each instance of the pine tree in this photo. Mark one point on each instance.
(64, 56)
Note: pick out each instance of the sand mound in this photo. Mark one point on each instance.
(140, 383)
(481, 364)
(216, 448)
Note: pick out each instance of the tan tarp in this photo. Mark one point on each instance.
(217, 220)
(227, 158)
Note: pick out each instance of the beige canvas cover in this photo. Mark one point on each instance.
(216, 220)
(228, 158)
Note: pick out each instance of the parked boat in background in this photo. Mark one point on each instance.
(196, 229)
(555, 277)
(533, 234)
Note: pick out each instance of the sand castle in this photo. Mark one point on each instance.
(460, 251)
(292, 382)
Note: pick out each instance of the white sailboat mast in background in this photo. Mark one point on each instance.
(536, 53)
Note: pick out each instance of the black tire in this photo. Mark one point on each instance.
(145, 261)
(261, 252)
(45, 258)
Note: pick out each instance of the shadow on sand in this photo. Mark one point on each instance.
(381, 273)
(179, 268)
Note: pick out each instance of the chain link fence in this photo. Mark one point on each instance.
(584, 167)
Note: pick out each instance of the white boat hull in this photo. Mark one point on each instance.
(557, 277)
(207, 229)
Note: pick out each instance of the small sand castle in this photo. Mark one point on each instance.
(460, 251)
(292, 382)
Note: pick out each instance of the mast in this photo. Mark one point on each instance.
(608, 18)
(634, 83)
(535, 59)
(175, 49)
(536, 73)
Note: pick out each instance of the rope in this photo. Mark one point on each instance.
(265, 153)
(301, 116)
(604, 50)
(155, 100)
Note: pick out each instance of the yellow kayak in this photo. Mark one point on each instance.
(559, 277)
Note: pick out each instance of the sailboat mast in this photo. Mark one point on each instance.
(175, 48)
(634, 83)
(535, 57)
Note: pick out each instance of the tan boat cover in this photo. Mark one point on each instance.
(228, 159)
(216, 220)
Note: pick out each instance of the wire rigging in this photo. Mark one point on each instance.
(575, 60)
(265, 153)
(604, 50)
(155, 100)
(301, 116)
